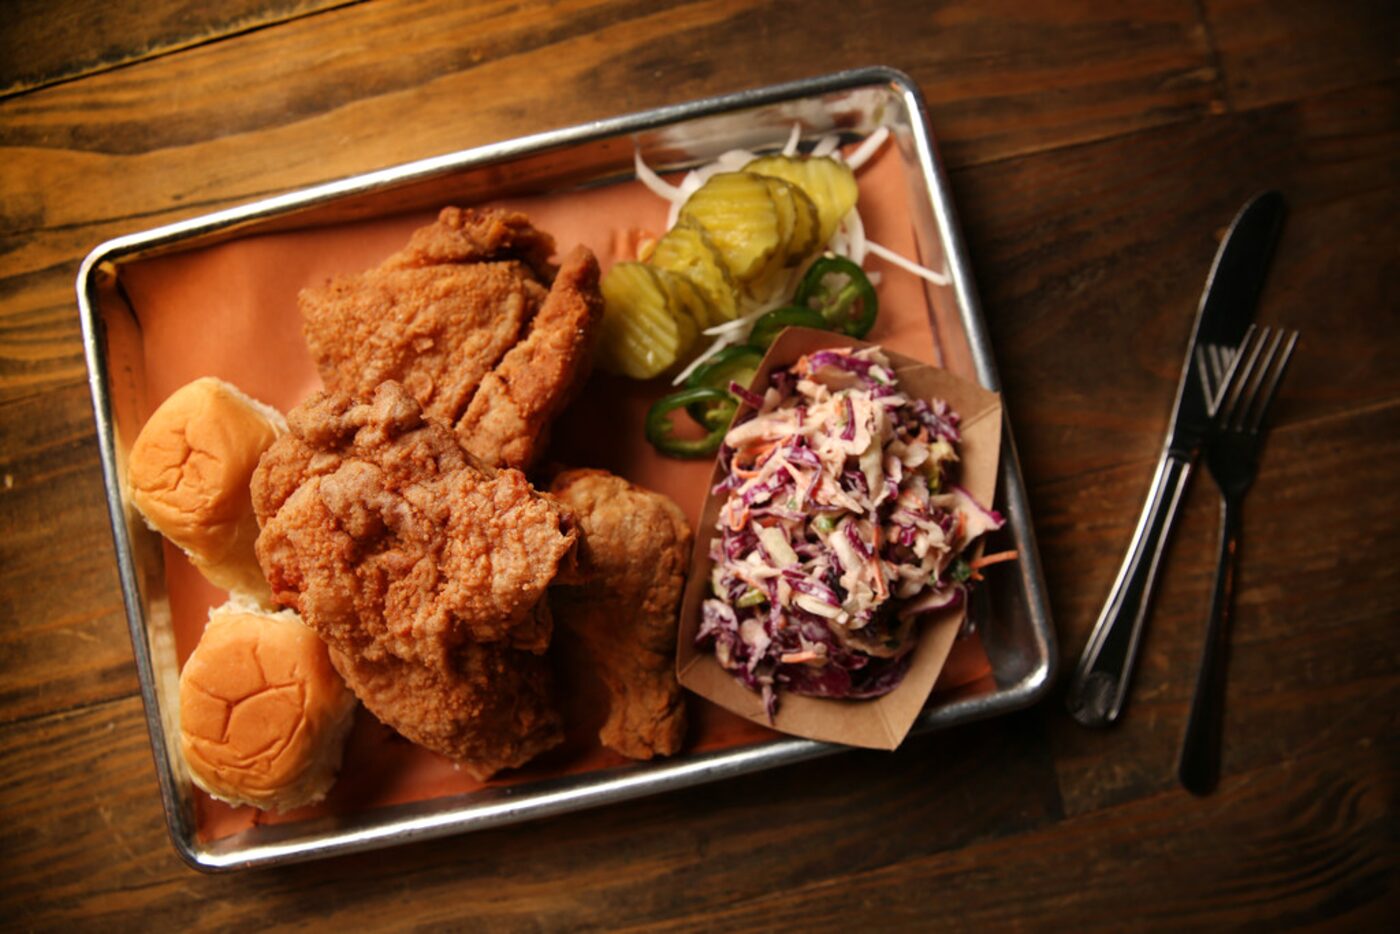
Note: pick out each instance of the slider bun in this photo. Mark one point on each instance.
(263, 715)
(188, 476)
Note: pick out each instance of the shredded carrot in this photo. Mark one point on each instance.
(751, 582)
(794, 658)
(738, 519)
(997, 558)
(632, 243)
(753, 455)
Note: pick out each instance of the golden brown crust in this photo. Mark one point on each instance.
(634, 548)
(263, 714)
(438, 330)
(407, 556)
(188, 475)
(490, 709)
(467, 235)
(508, 420)
(472, 318)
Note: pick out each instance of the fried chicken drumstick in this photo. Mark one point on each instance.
(634, 546)
(423, 570)
(472, 318)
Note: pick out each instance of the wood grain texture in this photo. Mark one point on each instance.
(1279, 50)
(311, 100)
(44, 43)
(59, 647)
(681, 854)
(1096, 152)
(1317, 836)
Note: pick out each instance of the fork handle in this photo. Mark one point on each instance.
(1100, 681)
(1199, 767)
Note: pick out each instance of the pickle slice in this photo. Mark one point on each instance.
(640, 334)
(830, 184)
(738, 213)
(687, 251)
(806, 235)
(687, 300)
(799, 228)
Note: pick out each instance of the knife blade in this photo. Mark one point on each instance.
(1100, 682)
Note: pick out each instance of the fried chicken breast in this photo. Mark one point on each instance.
(423, 570)
(634, 548)
(475, 322)
(489, 710)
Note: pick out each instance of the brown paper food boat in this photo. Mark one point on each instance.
(878, 723)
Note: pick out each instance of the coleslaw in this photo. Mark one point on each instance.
(842, 526)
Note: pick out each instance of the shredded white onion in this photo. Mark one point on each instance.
(709, 352)
(855, 230)
(937, 278)
(795, 137)
(655, 183)
(868, 148)
(826, 146)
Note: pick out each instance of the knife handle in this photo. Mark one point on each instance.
(1100, 681)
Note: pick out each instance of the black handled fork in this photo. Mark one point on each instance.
(1242, 394)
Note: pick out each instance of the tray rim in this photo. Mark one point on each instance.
(498, 806)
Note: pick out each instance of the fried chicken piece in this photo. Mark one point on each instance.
(508, 420)
(437, 330)
(417, 565)
(492, 712)
(634, 547)
(462, 235)
(473, 319)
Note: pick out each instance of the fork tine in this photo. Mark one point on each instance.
(1204, 375)
(1246, 414)
(1273, 373)
(1237, 379)
(1220, 362)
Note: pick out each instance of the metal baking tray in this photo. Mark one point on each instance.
(1011, 612)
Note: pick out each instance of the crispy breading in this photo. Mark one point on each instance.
(508, 420)
(634, 547)
(464, 235)
(438, 330)
(473, 319)
(406, 555)
(492, 711)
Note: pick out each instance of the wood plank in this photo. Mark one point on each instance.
(41, 342)
(1092, 262)
(45, 43)
(311, 100)
(1308, 844)
(1280, 50)
(1313, 659)
(83, 838)
(65, 641)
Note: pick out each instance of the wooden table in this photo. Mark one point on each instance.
(1096, 151)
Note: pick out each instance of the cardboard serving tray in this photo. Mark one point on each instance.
(215, 295)
(876, 723)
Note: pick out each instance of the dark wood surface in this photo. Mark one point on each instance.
(1096, 150)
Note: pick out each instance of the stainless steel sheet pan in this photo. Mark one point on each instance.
(1012, 612)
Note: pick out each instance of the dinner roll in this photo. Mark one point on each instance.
(263, 714)
(188, 476)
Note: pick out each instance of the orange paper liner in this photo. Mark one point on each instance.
(229, 310)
